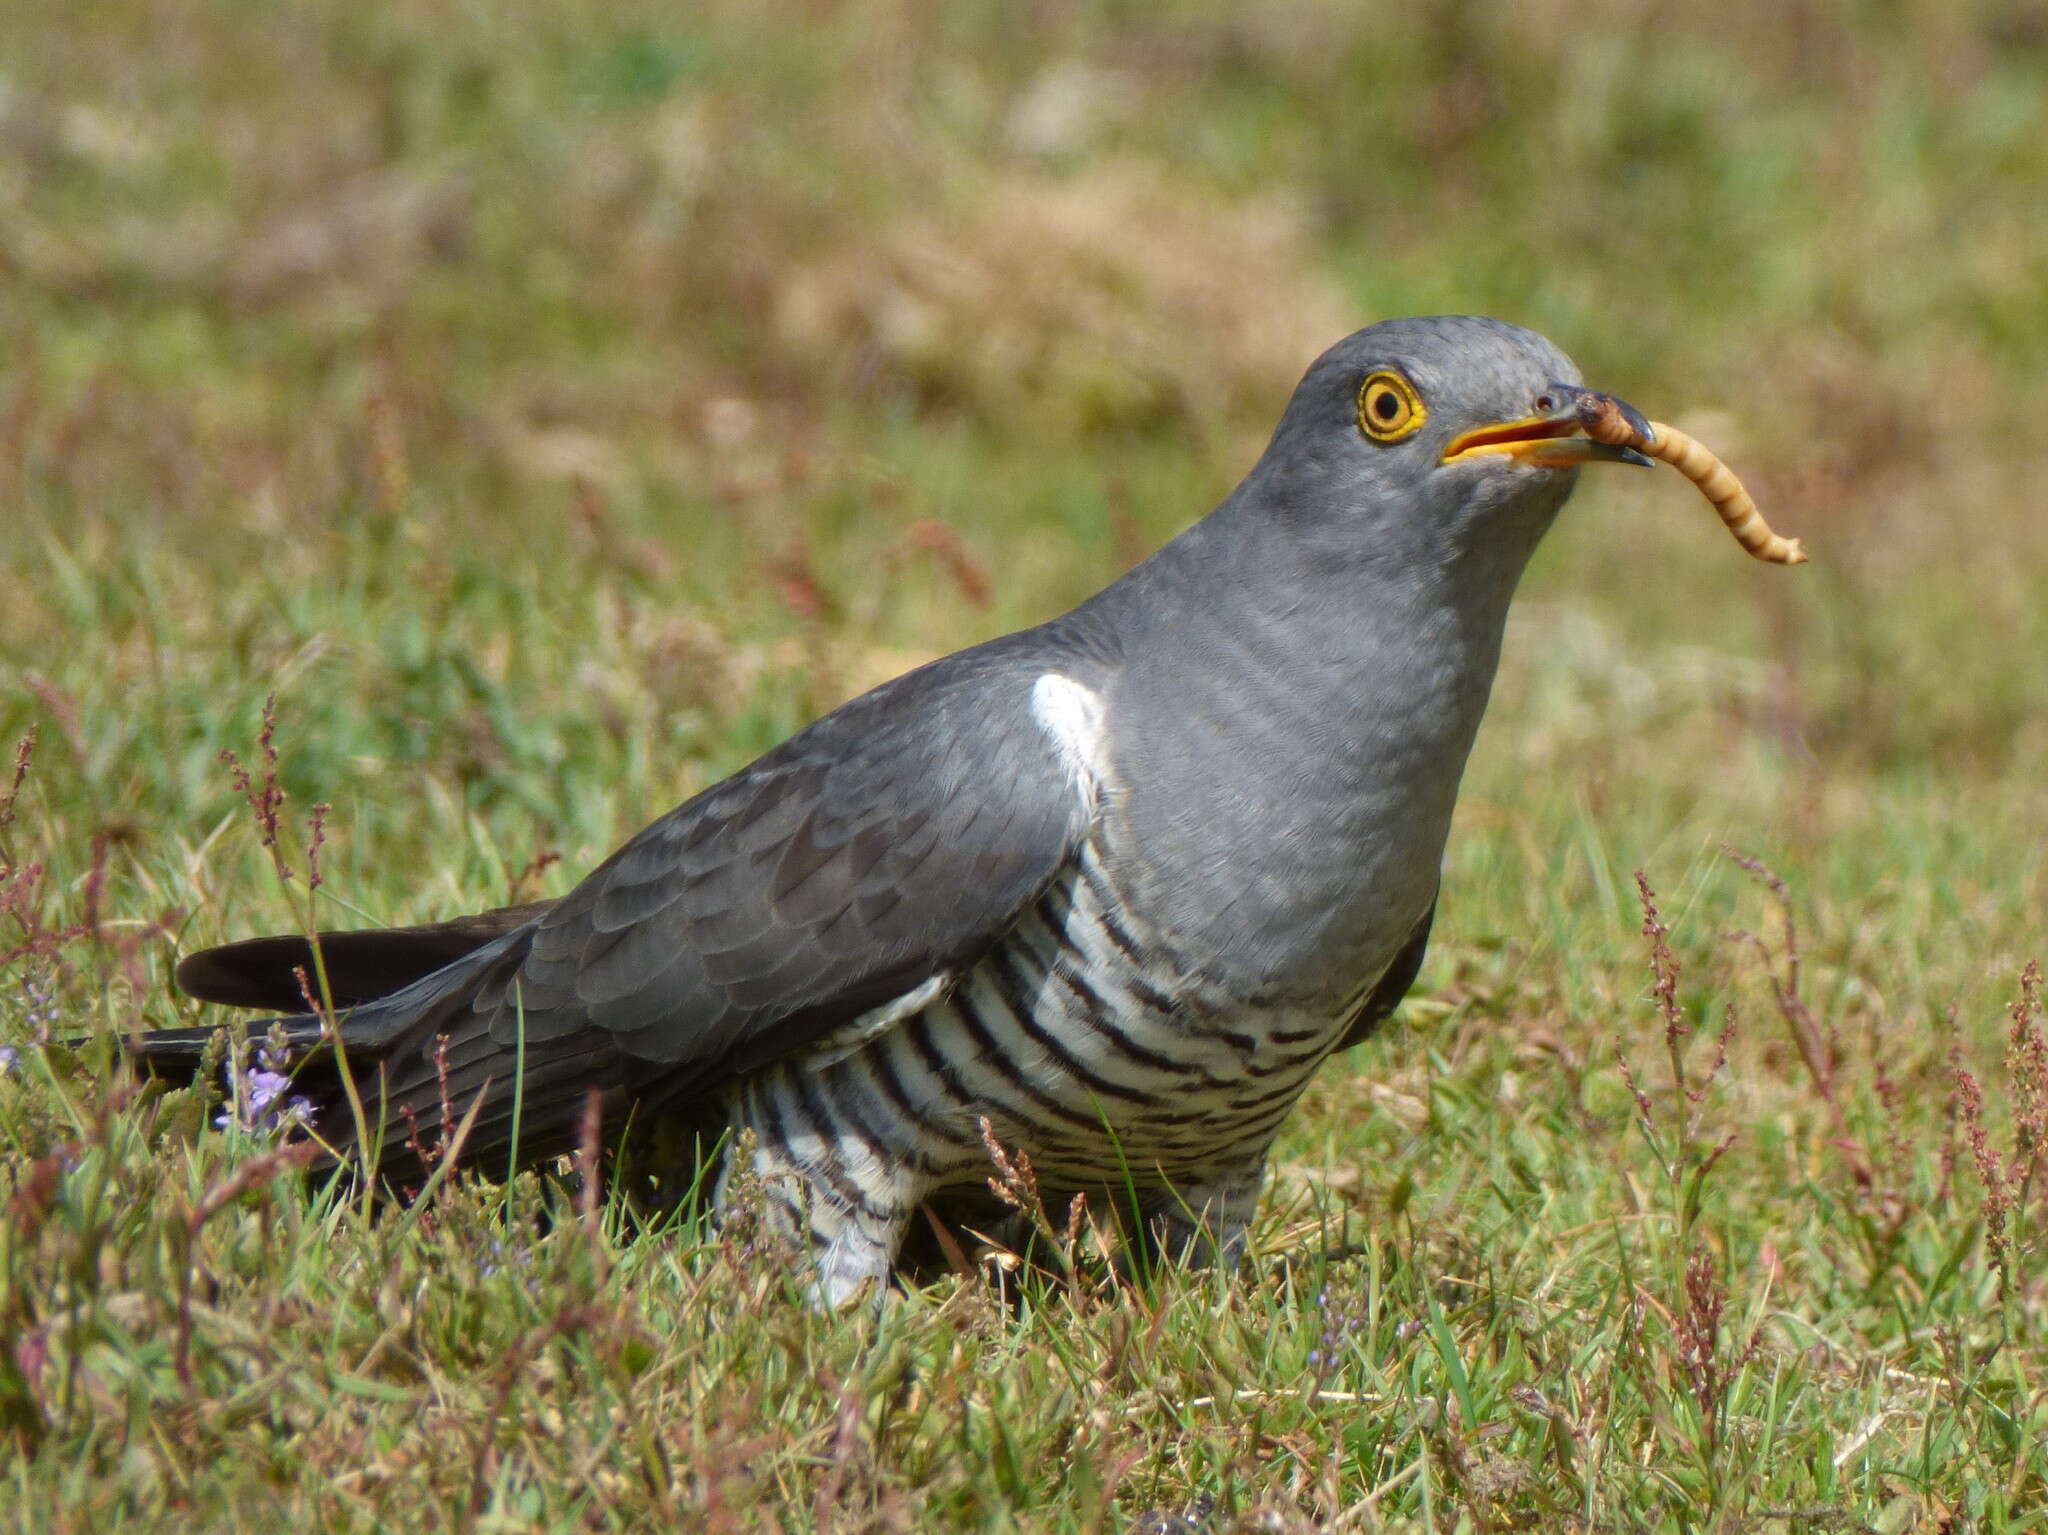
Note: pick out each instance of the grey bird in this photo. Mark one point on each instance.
(1113, 887)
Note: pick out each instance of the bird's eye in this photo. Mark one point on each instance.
(1389, 409)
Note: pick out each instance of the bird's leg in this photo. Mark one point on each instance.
(858, 1252)
(1206, 1222)
(852, 1229)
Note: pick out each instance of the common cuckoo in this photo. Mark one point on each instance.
(1114, 886)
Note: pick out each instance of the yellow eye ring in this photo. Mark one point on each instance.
(1389, 409)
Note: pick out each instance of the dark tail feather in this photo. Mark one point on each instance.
(361, 966)
(378, 997)
(175, 1054)
(394, 1042)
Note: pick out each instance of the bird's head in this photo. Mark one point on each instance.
(1434, 439)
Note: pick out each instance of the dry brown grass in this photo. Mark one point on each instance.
(1109, 299)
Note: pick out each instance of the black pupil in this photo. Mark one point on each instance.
(1386, 404)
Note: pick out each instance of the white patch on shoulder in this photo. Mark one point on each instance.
(1074, 716)
(876, 1021)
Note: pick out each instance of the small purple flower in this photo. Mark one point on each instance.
(260, 1099)
(39, 988)
(8, 1056)
(1341, 1317)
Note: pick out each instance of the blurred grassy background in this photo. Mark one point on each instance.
(556, 405)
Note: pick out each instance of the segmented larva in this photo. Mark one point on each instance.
(1604, 422)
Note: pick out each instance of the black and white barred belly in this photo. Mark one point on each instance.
(1074, 1039)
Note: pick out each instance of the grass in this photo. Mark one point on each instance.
(553, 408)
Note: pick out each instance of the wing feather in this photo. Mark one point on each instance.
(869, 859)
(888, 843)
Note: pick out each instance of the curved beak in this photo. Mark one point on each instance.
(1555, 439)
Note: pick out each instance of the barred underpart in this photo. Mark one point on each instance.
(1077, 1039)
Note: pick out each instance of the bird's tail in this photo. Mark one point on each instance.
(418, 1059)
(177, 1053)
(358, 967)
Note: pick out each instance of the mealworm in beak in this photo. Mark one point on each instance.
(1604, 422)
